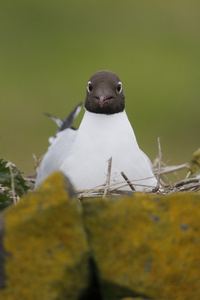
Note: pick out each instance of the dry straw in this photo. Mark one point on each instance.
(191, 182)
(164, 186)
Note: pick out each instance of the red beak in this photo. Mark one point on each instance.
(103, 99)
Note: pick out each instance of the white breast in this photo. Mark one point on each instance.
(99, 138)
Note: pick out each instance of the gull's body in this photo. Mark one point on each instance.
(100, 137)
(104, 132)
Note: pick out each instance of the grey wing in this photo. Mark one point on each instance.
(67, 123)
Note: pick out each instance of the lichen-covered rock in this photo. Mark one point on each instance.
(142, 247)
(146, 246)
(43, 245)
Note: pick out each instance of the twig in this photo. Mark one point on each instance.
(159, 165)
(114, 188)
(170, 169)
(108, 177)
(188, 175)
(36, 162)
(186, 181)
(128, 181)
(12, 182)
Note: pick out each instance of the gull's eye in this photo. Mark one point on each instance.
(119, 87)
(89, 87)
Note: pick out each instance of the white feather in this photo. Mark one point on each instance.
(57, 152)
(100, 137)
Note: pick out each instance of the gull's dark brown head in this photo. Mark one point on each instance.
(105, 94)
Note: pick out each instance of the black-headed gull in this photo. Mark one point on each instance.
(105, 131)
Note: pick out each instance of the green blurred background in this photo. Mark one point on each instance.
(49, 49)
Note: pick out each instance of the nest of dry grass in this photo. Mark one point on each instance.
(191, 182)
(113, 190)
(164, 186)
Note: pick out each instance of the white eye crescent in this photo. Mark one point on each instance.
(119, 87)
(89, 87)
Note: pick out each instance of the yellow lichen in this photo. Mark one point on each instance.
(147, 244)
(46, 245)
(144, 245)
(194, 164)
